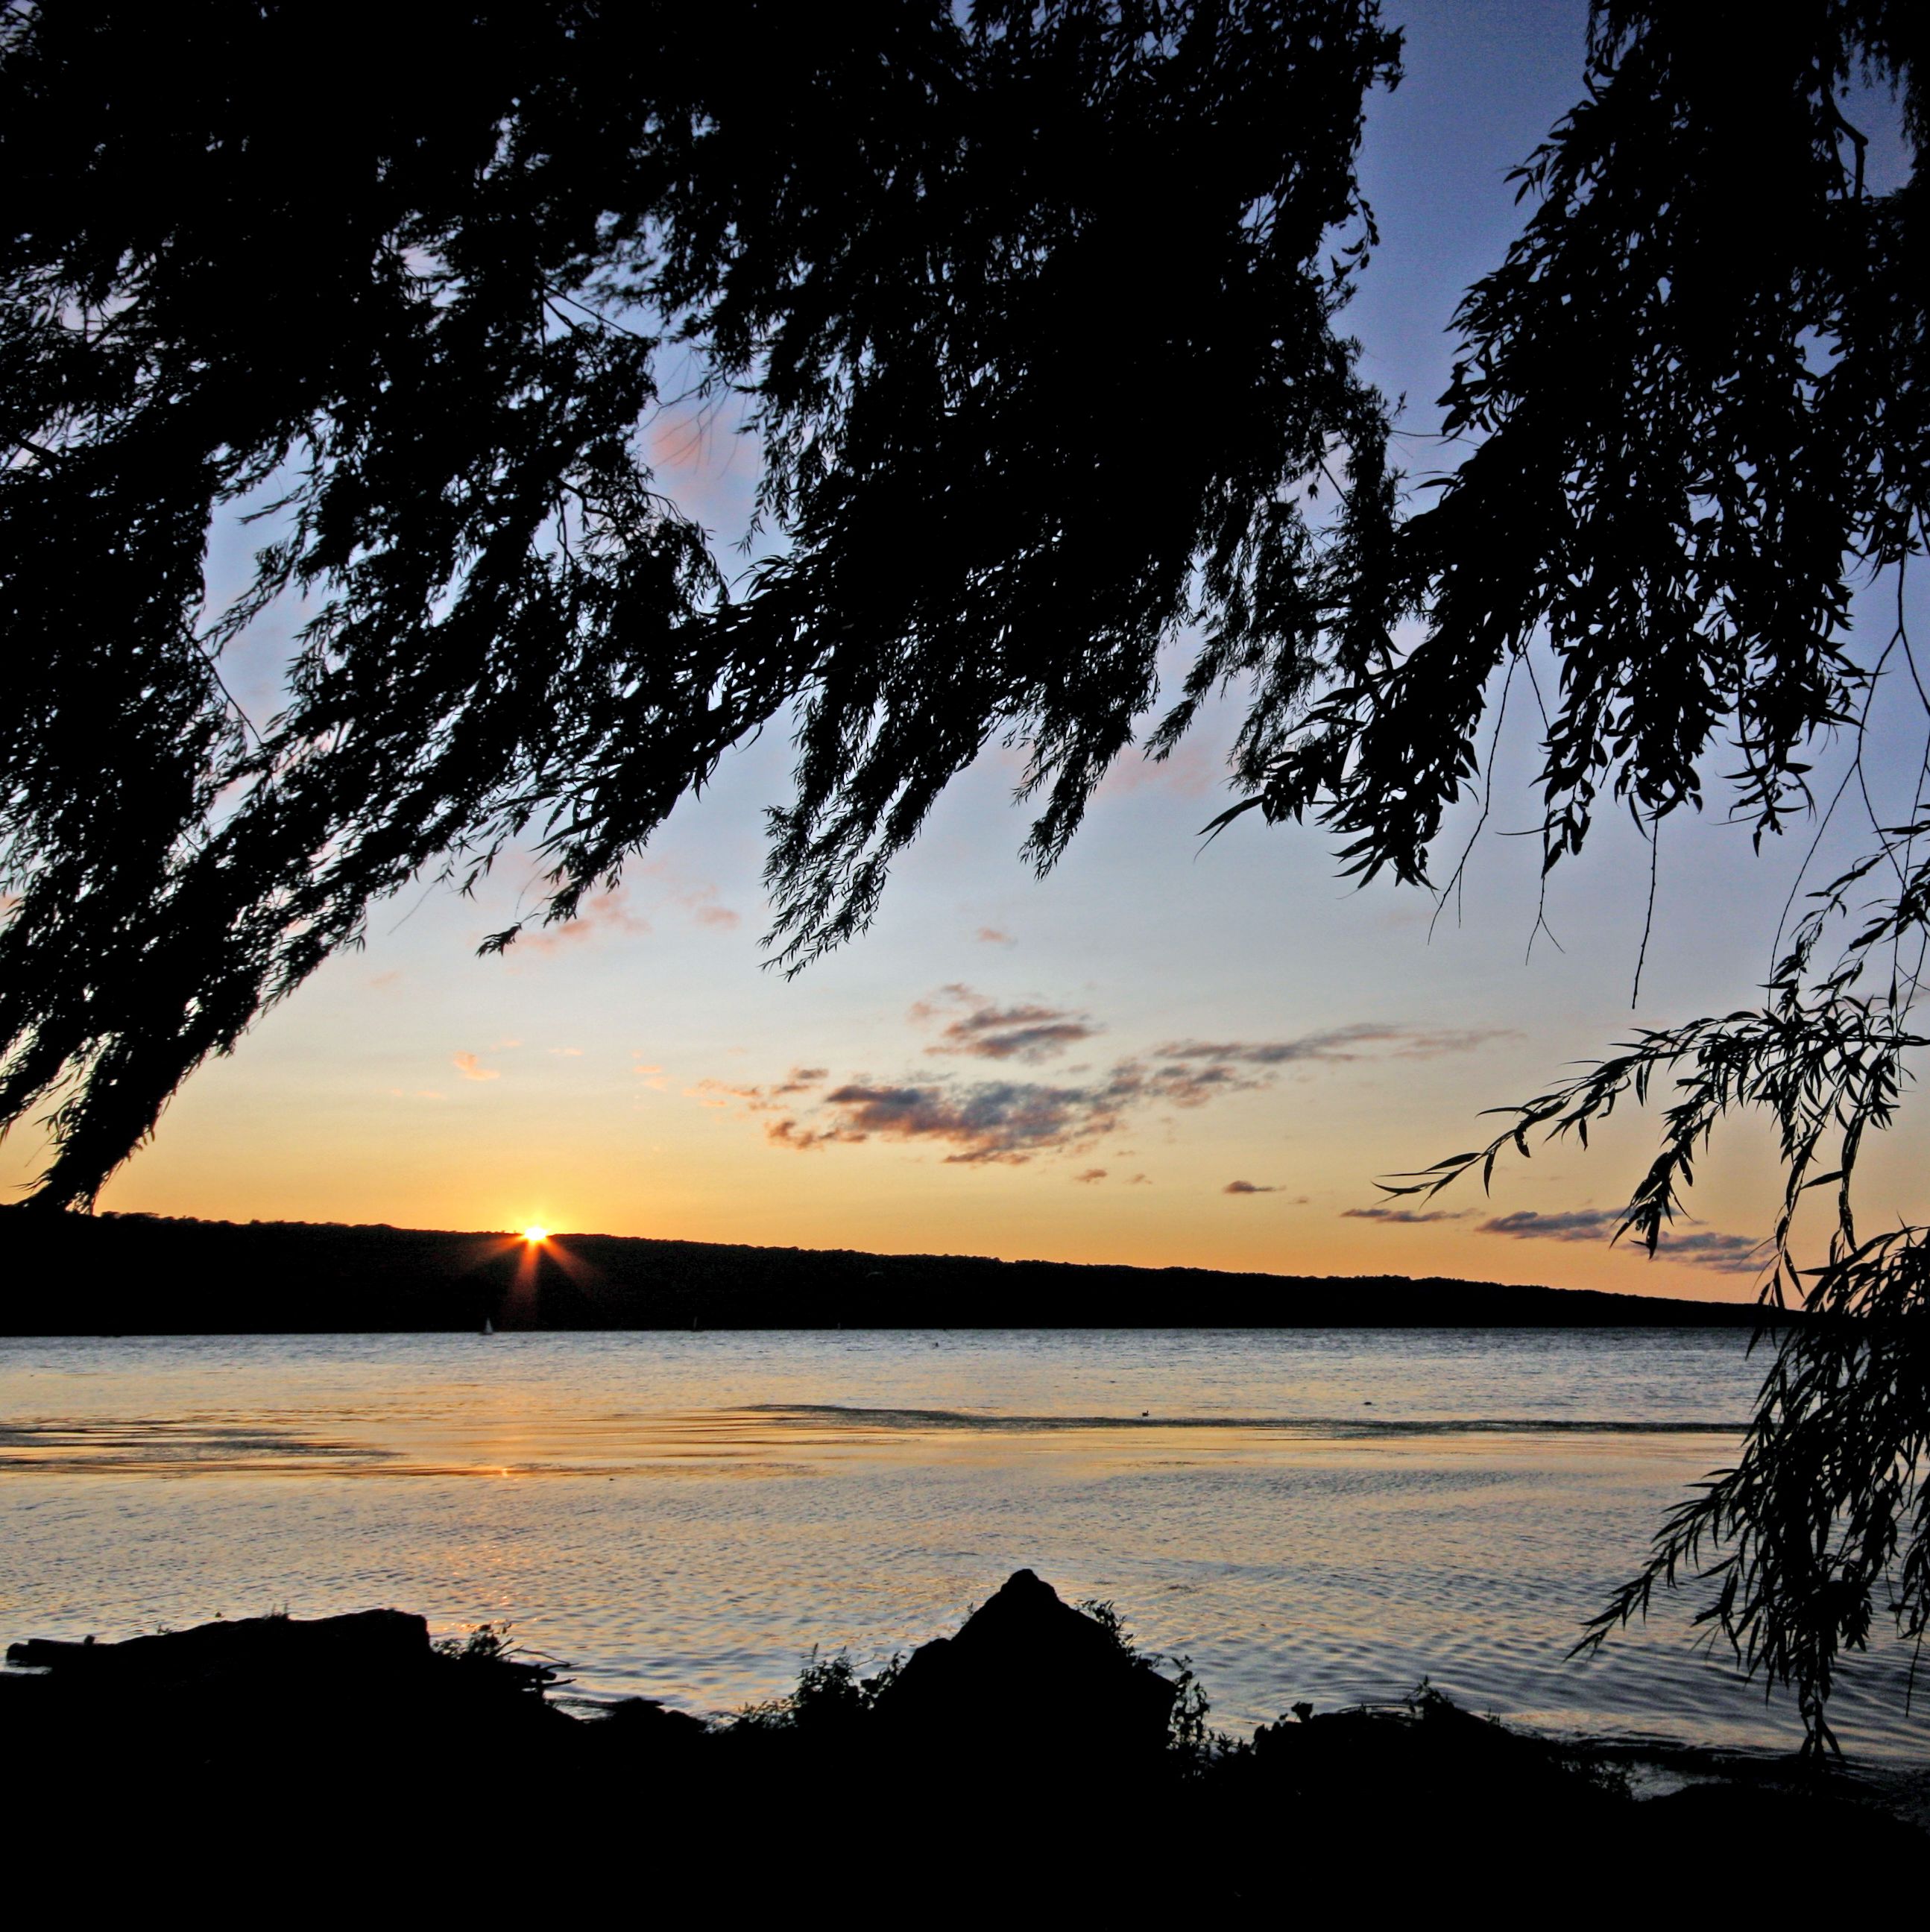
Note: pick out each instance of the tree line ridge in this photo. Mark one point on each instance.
(142, 1274)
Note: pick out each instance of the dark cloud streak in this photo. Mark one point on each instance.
(988, 1031)
(1014, 1120)
(1704, 1248)
(1339, 1045)
(1005, 1120)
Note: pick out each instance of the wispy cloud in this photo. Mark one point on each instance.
(1340, 1044)
(1573, 1224)
(1702, 1247)
(1709, 1248)
(986, 1031)
(471, 1067)
(1247, 1187)
(1191, 771)
(1013, 1120)
(721, 1093)
(696, 897)
(1188, 1086)
(600, 913)
(791, 1132)
(756, 1099)
(1091, 1174)
(992, 935)
(1405, 1217)
(1002, 1121)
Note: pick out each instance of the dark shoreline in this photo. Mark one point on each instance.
(1034, 1757)
(73, 1274)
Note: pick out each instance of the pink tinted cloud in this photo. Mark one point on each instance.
(721, 1093)
(1191, 771)
(696, 898)
(471, 1068)
(600, 913)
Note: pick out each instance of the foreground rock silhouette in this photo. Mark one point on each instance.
(952, 1695)
(1034, 1759)
(356, 1651)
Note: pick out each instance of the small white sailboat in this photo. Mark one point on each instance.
(488, 1327)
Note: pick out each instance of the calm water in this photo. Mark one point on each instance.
(1319, 1515)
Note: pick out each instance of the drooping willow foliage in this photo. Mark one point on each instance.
(1034, 310)
(1033, 307)
(1699, 384)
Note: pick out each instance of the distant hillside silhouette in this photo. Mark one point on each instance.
(143, 1274)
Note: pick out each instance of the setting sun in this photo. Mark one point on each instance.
(532, 1235)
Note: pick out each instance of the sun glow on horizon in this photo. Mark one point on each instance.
(535, 1235)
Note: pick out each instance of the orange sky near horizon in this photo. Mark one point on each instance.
(657, 1082)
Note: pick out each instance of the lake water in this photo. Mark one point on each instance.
(1328, 1515)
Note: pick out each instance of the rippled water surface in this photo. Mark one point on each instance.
(1320, 1514)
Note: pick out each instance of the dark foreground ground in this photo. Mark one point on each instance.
(1032, 1768)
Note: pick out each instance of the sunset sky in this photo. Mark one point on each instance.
(1165, 1052)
